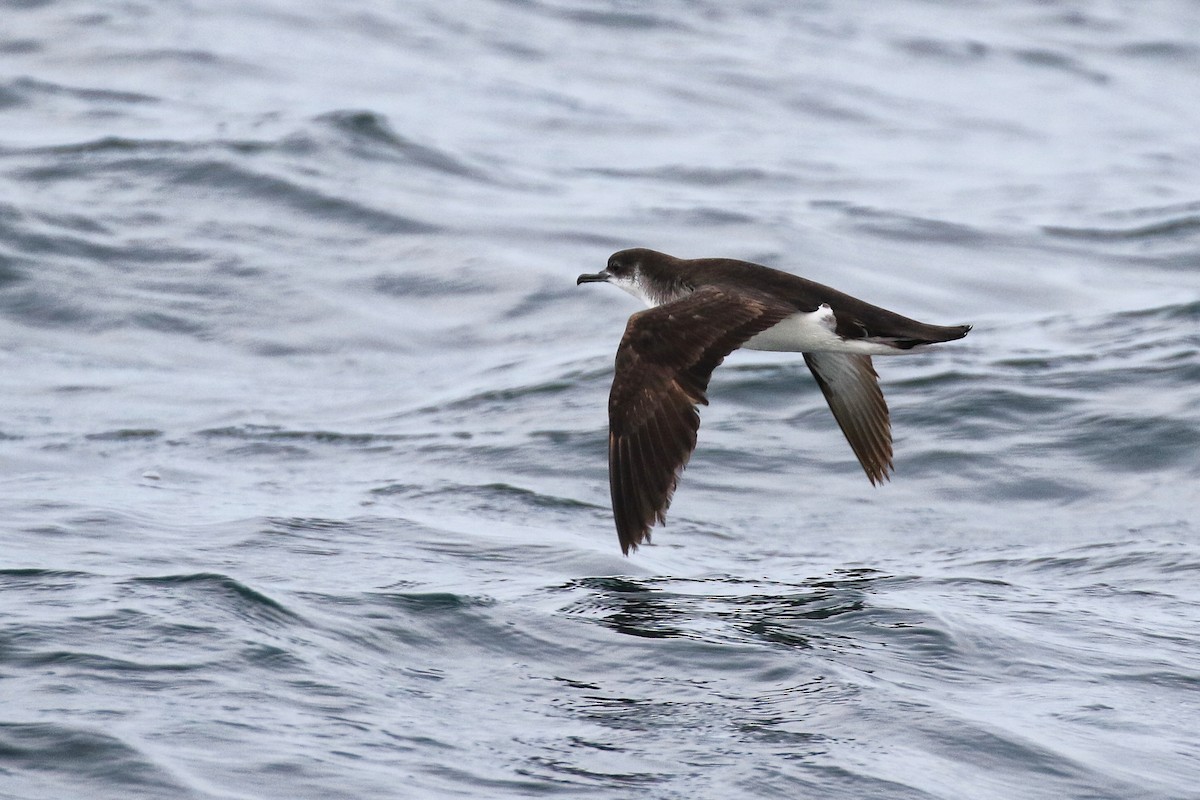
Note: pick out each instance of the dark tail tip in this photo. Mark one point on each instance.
(948, 333)
(931, 334)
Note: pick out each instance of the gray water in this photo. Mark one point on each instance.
(303, 490)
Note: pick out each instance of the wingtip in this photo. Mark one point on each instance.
(882, 477)
(629, 544)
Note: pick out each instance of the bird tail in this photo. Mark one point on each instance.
(922, 334)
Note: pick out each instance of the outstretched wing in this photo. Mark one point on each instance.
(851, 387)
(664, 362)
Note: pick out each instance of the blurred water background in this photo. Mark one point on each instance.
(303, 490)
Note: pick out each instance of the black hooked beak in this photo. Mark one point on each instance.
(599, 277)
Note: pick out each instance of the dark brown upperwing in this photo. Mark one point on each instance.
(664, 362)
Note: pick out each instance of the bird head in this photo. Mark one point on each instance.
(625, 270)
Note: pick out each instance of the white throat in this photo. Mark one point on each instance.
(636, 288)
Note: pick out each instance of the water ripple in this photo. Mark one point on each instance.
(69, 752)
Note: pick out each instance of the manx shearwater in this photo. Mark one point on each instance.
(701, 310)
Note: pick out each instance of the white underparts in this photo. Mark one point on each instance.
(813, 332)
(635, 288)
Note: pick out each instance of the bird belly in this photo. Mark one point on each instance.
(813, 332)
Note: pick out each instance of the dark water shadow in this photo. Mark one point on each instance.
(727, 609)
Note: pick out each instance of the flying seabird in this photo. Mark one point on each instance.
(701, 310)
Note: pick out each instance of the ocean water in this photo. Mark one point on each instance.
(303, 484)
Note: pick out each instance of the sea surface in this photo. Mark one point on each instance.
(303, 482)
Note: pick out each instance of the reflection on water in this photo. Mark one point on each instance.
(723, 609)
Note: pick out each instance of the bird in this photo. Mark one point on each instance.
(698, 312)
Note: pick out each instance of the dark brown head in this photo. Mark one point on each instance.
(648, 275)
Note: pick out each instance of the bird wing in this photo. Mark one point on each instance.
(663, 366)
(851, 387)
